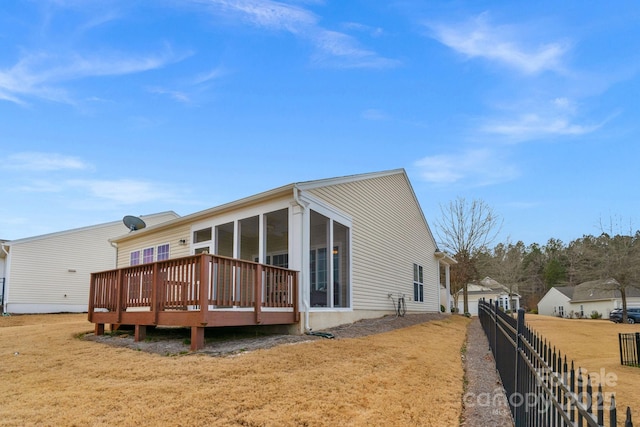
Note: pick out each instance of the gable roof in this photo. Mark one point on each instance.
(289, 189)
(76, 230)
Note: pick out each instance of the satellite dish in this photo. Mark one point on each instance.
(133, 223)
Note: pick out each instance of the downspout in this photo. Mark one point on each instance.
(304, 261)
(4, 283)
(115, 246)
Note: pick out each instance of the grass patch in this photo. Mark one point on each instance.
(405, 377)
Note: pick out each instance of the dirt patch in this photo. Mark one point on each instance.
(230, 341)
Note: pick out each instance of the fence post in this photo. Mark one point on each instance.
(621, 348)
(494, 308)
(518, 375)
(637, 361)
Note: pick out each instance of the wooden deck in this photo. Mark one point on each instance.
(197, 291)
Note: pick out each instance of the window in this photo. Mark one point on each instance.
(203, 235)
(281, 260)
(135, 258)
(224, 239)
(418, 283)
(328, 262)
(147, 255)
(249, 237)
(163, 252)
(277, 238)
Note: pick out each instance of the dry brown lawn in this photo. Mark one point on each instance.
(411, 376)
(593, 345)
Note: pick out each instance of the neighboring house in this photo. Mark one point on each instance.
(556, 302)
(488, 289)
(357, 243)
(585, 299)
(3, 264)
(51, 273)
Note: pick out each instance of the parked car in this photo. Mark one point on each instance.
(633, 315)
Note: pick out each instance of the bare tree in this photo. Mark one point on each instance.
(463, 229)
(612, 256)
(508, 266)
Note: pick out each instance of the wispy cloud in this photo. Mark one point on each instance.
(206, 77)
(43, 162)
(477, 167)
(534, 125)
(40, 75)
(504, 44)
(332, 47)
(176, 95)
(188, 89)
(557, 117)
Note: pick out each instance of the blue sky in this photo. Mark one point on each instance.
(129, 108)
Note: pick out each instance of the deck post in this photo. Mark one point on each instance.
(120, 295)
(99, 329)
(296, 289)
(140, 333)
(257, 304)
(155, 290)
(92, 297)
(205, 261)
(197, 338)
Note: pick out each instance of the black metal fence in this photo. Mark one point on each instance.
(543, 388)
(629, 349)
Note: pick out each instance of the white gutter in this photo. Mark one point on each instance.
(304, 261)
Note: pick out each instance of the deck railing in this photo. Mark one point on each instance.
(189, 291)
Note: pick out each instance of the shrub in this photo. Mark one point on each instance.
(442, 308)
(596, 315)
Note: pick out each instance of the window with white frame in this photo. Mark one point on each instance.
(163, 252)
(418, 283)
(329, 269)
(147, 255)
(151, 254)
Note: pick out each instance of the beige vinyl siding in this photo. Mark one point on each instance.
(51, 273)
(389, 235)
(183, 230)
(172, 236)
(40, 268)
(552, 299)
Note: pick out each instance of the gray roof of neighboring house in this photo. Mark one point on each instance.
(595, 290)
(601, 290)
(566, 290)
(487, 286)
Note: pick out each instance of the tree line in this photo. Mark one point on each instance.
(468, 229)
